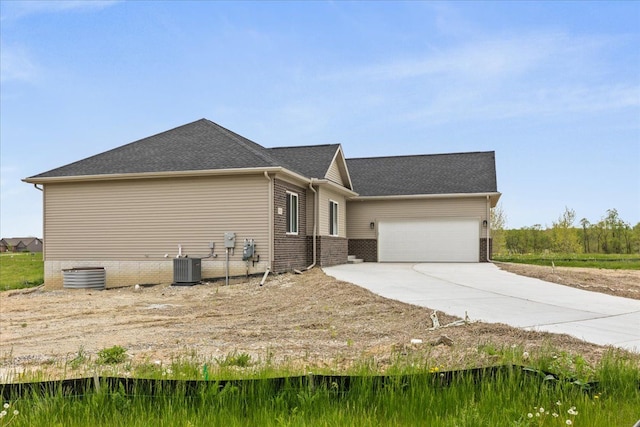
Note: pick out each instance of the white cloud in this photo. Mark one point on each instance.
(486, 58)
(20, 9)
(16, 64)
(502, 77)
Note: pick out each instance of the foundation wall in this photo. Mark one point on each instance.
(130, 273)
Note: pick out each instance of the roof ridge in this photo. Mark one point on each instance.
(247, 143)
(421, 155)
(121, 147)
(303, 146)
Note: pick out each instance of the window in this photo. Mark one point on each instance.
(333, 218)
(292, 213)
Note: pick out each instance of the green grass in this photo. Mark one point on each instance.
(24, 270)
(417, 396)
(112, 355)
(21, 270)
(607, 261)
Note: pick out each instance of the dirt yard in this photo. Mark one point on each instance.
(621, 283)
(306, 321)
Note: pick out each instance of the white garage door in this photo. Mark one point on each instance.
(447, 240)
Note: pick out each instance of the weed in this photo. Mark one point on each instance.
(241, 360)
(79, 359)
(112, 355)
(8, 415)
(569, 366)
(147, 370)
(333, 332)
(489, 349)
(540, 416)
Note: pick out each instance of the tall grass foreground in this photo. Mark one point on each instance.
(506, 397)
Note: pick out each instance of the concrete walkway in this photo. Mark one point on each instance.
(491, 295)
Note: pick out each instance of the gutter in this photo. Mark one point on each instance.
(336, 187)
(164, 174)
(490, 195)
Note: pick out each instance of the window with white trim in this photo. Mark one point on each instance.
(333, 218)
(292, 213)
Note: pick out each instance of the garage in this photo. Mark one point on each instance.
(444, 240)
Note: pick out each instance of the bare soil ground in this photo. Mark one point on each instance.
(621, 283)
(306, 321)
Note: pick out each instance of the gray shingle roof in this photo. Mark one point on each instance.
(424, 174)
(204, 145)
(310, 161)
(200, 145)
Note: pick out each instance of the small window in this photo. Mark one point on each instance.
(333, 218)
(292, 213)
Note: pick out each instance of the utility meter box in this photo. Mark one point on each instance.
(249, 249)
(229, 240)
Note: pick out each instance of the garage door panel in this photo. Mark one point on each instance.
(451, 240)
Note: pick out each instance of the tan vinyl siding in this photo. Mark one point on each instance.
(362, 213)
(146, 219)
(311, 196)
(333, 174)
(325, 195)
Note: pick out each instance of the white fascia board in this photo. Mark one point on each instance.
(337, 187)
(151, 175)
(493, 196)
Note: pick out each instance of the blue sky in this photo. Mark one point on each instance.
(552, 87)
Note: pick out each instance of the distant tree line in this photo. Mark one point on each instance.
(609, 235)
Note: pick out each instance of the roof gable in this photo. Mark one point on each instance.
(200, 145)
(338, 171)
(312, 161)
(425, 174)
(334, 174)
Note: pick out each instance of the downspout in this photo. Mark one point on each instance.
(270, 203)
(44, 228)
(488, 227)
(315, 222)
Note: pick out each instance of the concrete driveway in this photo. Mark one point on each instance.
(491, 295)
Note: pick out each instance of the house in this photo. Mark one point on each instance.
(21, 244)
(134, 208)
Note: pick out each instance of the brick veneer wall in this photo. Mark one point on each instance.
(483, 249)
(330, 250)
(364, 249)
(367, 249)
(290, 251)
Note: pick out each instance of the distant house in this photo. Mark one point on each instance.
(21, 244)
(134, 208)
